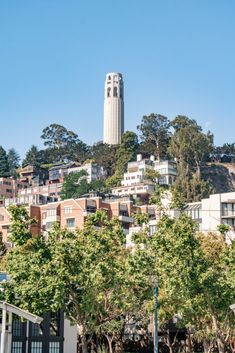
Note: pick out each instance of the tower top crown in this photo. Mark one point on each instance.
(112, 75)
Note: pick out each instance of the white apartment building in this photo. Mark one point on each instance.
(94, 171)
(135, 182)
(215, 210)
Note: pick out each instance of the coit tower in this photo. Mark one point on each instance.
(113, 108)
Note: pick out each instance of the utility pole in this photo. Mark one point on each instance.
(155, 294)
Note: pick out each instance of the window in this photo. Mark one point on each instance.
(70, 222)
(36, 347)
(68, 210)
(152, 229)
(54, 347)
(36, 330)
(123, 213)
(17, 347)
(115, 92)
(49, 225)
(51, 212)
(1, 217)
(108, 92)
(44, 215)
(55, 324)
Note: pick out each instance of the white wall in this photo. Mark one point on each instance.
(70, 337)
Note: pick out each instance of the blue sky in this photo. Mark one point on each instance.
(176, 57)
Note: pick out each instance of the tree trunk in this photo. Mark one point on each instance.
(219, 338)
(119, 347)
(188, 343)
(110, 340)
(207, 346)
(84, 344)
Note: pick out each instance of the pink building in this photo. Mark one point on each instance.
(9, 187)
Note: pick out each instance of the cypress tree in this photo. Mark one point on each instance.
(4, 166)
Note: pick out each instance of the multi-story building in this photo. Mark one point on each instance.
(49, 190)
(135, 180)
(72, 213)
(94, 171)
(9, 187)
(210, 212)
(5, 222)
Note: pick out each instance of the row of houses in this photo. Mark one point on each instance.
(209, 213)
(42, 186)
(72, 213)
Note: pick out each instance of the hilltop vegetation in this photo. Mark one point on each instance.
(181, 139)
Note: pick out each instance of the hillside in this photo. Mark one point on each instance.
(220, 175)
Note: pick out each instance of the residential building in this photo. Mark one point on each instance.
(210, 212)
(48, 190)
(5, 222)
(28, 199)
(94, 171)
(135, 181)
(9, 187)
(167, 170)
(113, 108)
(72, 214)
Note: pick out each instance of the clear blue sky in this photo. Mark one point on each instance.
(176, 57)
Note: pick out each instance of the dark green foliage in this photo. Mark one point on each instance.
(64, 145)
(126, 151)
(20, 226)
(191, 147)
(104, 155)
(4, 165)
(57, 136)
(35, 157)
(155, 134)
(75, 185)
(13, 161)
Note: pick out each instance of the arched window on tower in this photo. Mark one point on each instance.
(108, 91)
(115, 92)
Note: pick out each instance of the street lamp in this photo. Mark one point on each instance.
(155, 295)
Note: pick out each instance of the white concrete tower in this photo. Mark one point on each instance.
(113, 108)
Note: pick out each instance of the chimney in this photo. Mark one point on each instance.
(152, 158)
(139, 157)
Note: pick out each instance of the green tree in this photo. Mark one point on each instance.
(75, 185)
(125, 153)
(155, 134)
(4, 165)
(35, 157)
(13, 161)
(104, 155)
(190, 146)
(57, 136)
(63, 144)
(88, 273)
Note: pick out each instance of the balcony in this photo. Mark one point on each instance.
(126, 219)
(228, 214)
(50, 219)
